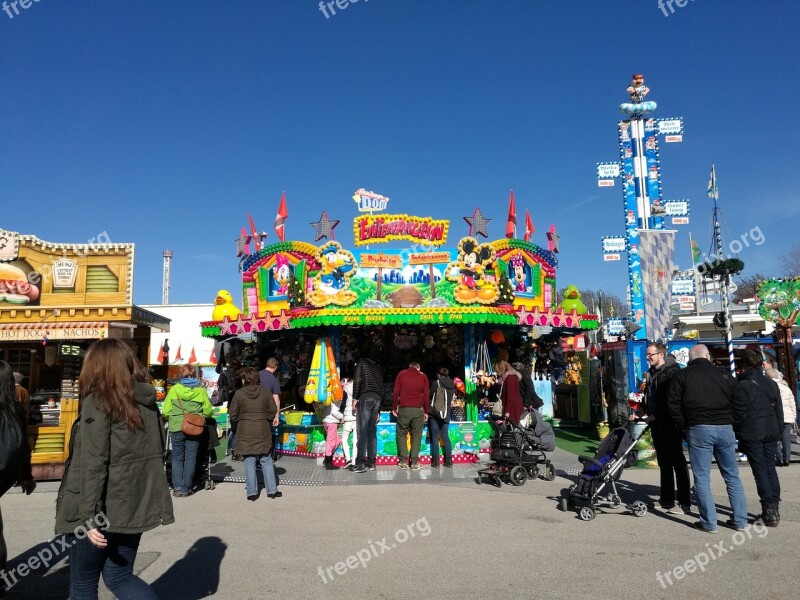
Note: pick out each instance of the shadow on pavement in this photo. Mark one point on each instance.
(196, 575)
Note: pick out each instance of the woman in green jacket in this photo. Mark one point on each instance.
(186, 396)
(114, 486)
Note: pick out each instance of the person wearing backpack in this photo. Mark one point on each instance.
(15, 453)
(439, 417)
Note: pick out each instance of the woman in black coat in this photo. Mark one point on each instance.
(760, 432)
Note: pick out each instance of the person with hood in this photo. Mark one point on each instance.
(510, 394)
(667, 439)
(439, 416)
(760, 431)
(789, 417)
(186, 396)
(252, 409)
(114, 486)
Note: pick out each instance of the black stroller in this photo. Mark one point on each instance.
(206, 457)
(616, 452)
(519, 450)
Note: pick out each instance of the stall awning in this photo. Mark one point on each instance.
(37, 332)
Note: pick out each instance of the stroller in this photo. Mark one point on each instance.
(616, 452)
(206, 457)
(519, 450)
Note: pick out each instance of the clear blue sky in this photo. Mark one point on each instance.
(165, 123)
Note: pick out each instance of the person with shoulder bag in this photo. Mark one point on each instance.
(186, 407)
(114, 486)
(439, 418)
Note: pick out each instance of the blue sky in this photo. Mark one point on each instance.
(165, 123)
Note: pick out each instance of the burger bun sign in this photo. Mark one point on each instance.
(15, 287)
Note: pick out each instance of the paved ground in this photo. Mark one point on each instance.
(438, 535)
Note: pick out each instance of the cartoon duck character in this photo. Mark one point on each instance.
(468, 270)
(333, 280)
(572, 301)
(224, 307)
(281, 275)
(520, 279)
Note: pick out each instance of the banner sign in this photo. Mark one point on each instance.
(608, 170)
(384, 228)
(614, 245)
(605, 183)
(615, 326)
(677, 208)
(680, 220)
(369, 201)
(380, 261)
(672, 126)
(682, 287)
(611, 257)
(429, 258)
(64, 272)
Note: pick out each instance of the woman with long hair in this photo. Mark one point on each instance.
(114, 486)
(186, 396)
(252, 410)
(17, 468)
(510, 394)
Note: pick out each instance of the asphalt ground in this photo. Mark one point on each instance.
(415, 534)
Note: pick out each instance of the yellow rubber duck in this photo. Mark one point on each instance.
(224, 307)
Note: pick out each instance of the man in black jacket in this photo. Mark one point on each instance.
(760, 432)
(368, 391)
(667, 438)
(707, 402)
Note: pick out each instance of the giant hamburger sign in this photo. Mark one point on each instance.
(15, 289)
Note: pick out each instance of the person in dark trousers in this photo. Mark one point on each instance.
(410, 405)
(368, 390)
(18, 468)
(114, 483)
(709, 403)
(667, 438)
(442, 392)
(272, 385)
(760, 432)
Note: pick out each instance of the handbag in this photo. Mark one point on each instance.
(497, 408)
(193, 423)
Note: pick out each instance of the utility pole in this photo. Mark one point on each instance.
(714, 194)
(166, 277)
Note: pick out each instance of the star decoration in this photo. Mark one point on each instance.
(280, 320)
(324, 227)
(552, 239)
(241, 243)
(477, 223)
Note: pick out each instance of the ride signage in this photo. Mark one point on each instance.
(370, 229)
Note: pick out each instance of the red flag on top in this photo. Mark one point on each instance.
(529, 229)
(178, 354)
(280, 218)
(511, 223)
(254, 231)
(213, 358)
(192, 357)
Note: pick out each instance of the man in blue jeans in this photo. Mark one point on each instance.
(368, 395)
(707, 403)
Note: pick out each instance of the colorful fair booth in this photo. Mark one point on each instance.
(319, 308)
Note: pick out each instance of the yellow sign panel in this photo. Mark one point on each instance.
(380, 261)
(427, 258)
(37, 334)
(370, 229)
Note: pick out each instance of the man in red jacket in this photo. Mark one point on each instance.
(410, 405)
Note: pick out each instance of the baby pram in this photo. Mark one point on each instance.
(616, 452)
(206, 457)
(518, 451)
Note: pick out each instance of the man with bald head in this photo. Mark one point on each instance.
(708, 403)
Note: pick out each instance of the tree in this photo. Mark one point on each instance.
(790, 263)
(600, 302)
(746, 287)
(297, 296)
(506, 292)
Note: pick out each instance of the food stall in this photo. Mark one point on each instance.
(55, 300)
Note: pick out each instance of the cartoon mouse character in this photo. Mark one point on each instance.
(468, 271)
(520, 279)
